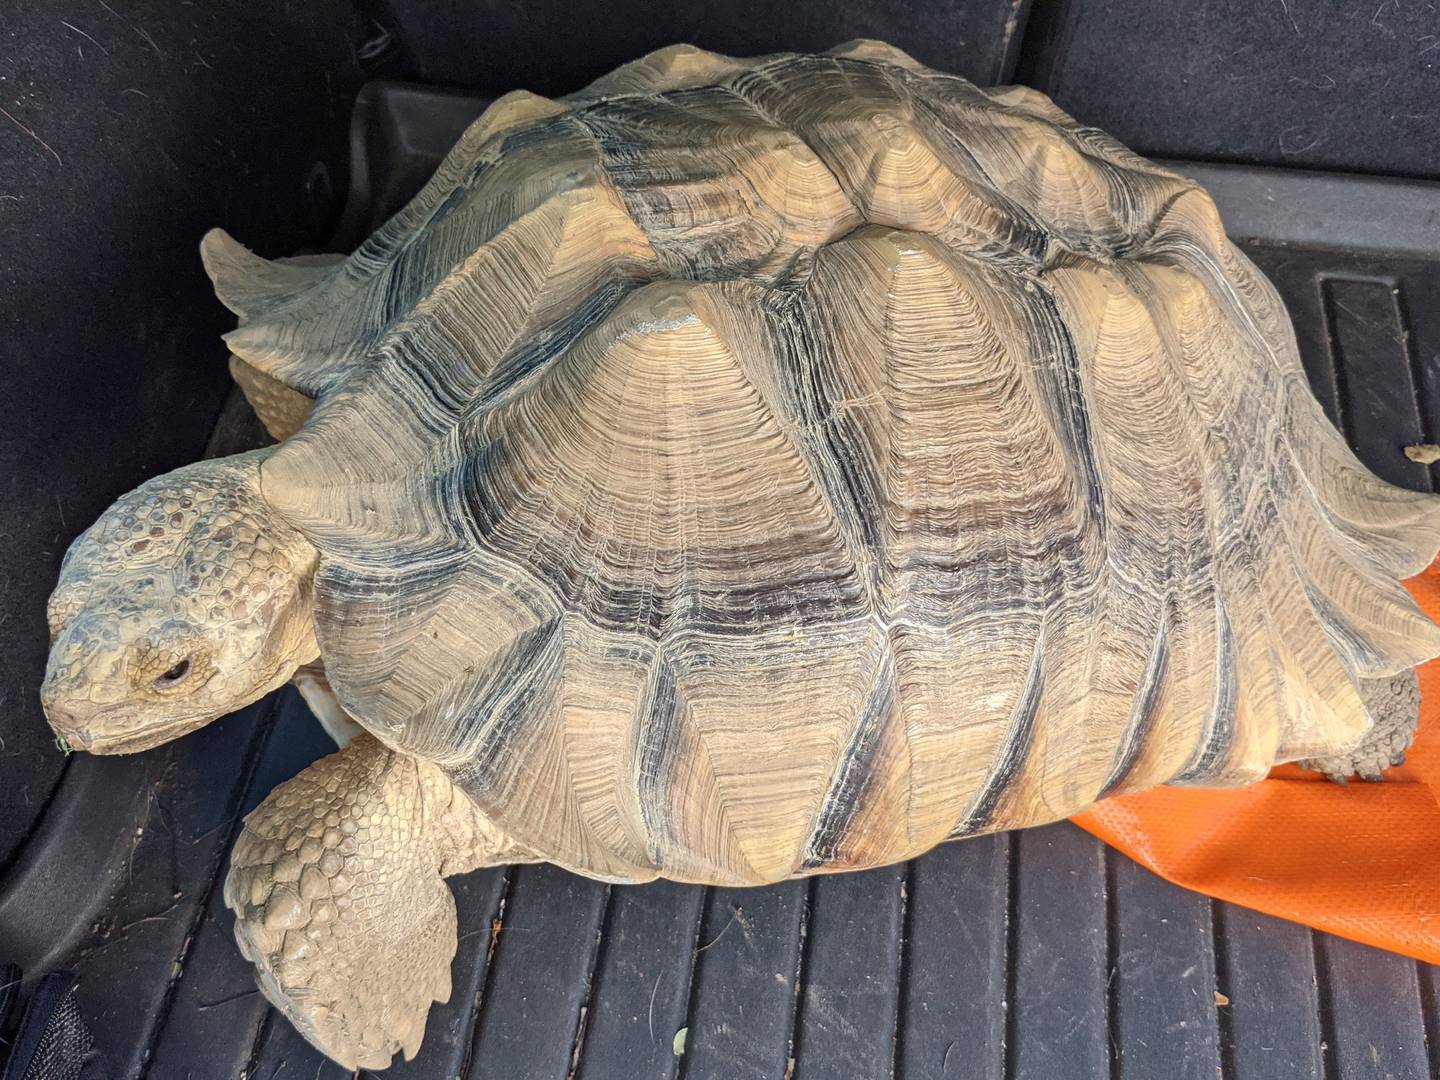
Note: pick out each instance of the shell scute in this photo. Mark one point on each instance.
(718, 188)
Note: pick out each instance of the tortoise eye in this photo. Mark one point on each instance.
(175, 674)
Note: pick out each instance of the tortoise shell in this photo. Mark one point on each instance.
(751, 468)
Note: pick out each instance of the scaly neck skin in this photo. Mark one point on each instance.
(186, 600)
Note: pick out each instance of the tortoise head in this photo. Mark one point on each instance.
(187, 599)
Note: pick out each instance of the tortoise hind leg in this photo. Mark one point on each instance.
(1394, 703)
(282, 409)
(337, 886)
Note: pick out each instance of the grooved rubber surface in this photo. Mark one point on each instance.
(1036, 955)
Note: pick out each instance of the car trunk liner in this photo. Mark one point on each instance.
(1033, 954)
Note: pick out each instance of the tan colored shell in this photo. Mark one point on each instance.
(753, 468)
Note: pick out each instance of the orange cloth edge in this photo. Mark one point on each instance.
(1362, 861)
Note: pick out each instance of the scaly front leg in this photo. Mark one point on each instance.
(337, 887)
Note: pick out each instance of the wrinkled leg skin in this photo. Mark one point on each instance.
(337, 887)
(1394, 704)
(325, 705)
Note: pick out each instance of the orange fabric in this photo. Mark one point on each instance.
(1361, 861)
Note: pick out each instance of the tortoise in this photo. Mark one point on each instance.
(742, 469)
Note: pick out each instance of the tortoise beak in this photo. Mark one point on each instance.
(107, 728)
(111, 730)
(64, 720)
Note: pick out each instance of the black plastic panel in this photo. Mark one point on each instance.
(1327, 84)
(552, 47)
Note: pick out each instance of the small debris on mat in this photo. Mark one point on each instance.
(677, 1045)
(1424, 453)
(1221, 999)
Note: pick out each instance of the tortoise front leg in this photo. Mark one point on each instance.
(337, 886)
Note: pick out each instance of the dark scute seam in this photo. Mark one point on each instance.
(1143, 713)
(1353, 648)
(654, 753)
(507, 703)
(1069, 413)
(855, 771)
(1221, 729)
(1018, 742)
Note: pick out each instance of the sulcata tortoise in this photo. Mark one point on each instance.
(742, 469)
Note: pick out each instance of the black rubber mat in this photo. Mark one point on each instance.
(1036, 955)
